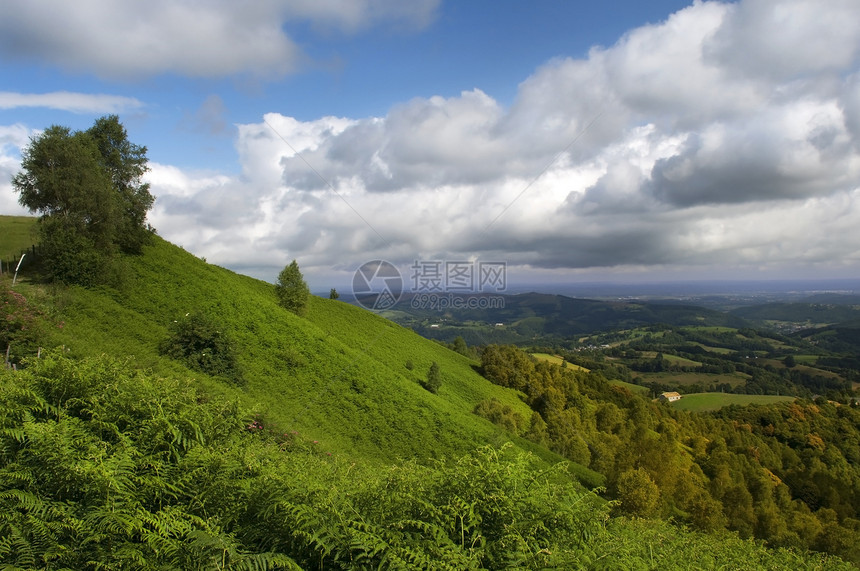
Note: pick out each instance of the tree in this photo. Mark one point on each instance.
(333, 294)
(86, 187)
(125, 164)
(291, 289)
(434, 378)
(637, 492)
(461, 347)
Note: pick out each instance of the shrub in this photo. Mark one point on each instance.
(434, 378)
(199, 343)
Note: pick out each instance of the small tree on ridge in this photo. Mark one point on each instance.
(291, 289)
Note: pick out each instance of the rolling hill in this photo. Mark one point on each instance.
(320, 448)
(530, 316)
(341, 375)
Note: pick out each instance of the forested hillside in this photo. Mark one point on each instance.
(787, 473)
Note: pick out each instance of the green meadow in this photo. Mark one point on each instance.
(700, 402)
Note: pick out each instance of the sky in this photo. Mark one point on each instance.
(621, 141)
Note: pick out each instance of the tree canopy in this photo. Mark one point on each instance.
(87, 186)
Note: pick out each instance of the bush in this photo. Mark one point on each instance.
(434, 378)
(199, 343)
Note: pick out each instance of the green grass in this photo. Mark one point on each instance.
(686, 379)
(337, 375)
(718, 350)
(700, 402)
(19, 233)
(556, 360)
(710, 328)
(635, 389)
(675, 359)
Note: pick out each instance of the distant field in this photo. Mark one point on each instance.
(699, 402)
(682, 361)
(631, 387)
(710, 328)
(814, 371)
(16, 234)
(686, 379)
(555, 359)
(718, 350)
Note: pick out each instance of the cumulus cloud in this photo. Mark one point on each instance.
(198, 39)
(726, 136)
(69, 101)
(713, 138)
(13, 138)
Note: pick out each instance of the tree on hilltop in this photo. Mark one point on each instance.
(125, 164)
(87, 188)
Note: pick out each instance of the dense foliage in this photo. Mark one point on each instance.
(87, 186)
(105, 467)
(200, 343)
(20, 324)
(788, 474)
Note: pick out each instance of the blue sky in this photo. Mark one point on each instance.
(624, 141)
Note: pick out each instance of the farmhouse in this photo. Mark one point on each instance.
(669, 397)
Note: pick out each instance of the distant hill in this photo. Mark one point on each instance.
(530, 316)
(319, 448)
(825, 310)
(839, 338)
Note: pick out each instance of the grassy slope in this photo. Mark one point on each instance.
(556, 360)
(337, 376)
(699, 402)
(19, 233)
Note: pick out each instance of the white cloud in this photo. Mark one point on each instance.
(69, 101)
(697, 157)
(13, 138)
(707, 140)
(198, 39)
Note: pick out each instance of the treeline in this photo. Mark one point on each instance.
(105, 467)
(787, 474)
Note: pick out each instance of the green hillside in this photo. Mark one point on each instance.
(792, 317)
(338, 375)
(320, 449)
(18, 234)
